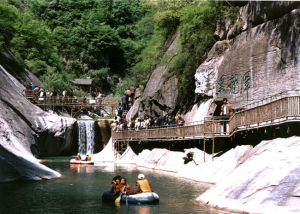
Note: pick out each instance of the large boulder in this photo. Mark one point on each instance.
(25, 129)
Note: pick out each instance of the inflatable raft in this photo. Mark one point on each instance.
(73, 161)
(141, 198)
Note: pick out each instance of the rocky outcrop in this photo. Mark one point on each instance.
(25, 130)
(105, 130)
(8, 61)
(259, 59)
(207, 73)
(160, 94)
(199, 112)
(265, 180)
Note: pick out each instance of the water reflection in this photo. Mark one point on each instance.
(144, 210)
(80, 188)
(79, 168)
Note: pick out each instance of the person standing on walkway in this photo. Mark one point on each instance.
(124, 101)
(226, 112)
(120, 110)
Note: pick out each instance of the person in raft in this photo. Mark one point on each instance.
(125, 187)
(78, 157)
(141, 185)
(116, 185)
(88, 158)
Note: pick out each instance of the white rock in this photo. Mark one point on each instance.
(107, 154)
(128, 157)
(268, 176)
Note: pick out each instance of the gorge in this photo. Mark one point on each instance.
(254, 60)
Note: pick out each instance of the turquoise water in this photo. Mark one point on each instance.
(80, 188)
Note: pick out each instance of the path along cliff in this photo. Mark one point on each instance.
(255, 57)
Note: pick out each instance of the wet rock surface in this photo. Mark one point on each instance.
(25, 130)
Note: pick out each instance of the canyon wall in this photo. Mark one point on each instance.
(26, 130)
(256, 57)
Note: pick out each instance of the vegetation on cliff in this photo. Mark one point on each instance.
(117, 43)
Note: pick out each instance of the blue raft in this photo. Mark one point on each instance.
(140, 198)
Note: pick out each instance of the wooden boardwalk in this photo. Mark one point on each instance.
(74, 104)
(277, 111)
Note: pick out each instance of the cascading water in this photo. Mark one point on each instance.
(86, 140)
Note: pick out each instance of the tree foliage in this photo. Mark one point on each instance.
(8, 21)
(116, 42)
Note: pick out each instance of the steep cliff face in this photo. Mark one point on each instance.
(160, 94)
(26, 130)
(256, 57)
(259, 57)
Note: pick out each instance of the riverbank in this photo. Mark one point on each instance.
(247, 179)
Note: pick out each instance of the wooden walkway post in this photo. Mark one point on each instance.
(213, 148)
(204, 149)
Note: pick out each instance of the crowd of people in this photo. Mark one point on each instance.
(121, 124)
(41, 95)
(119, 186)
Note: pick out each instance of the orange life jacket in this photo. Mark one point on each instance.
(125, 187)
(144, 185)
(118, 188)
(77, 157)
(88, 158)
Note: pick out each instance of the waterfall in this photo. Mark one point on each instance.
(86, 140)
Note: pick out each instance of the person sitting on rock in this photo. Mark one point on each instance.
(125, 187)
(141, 185)
(78, 157)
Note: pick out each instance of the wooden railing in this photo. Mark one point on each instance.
(283, 109)
(261, 114)
(208, 128)
(69, 101)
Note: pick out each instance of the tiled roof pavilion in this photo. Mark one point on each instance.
(87, 81)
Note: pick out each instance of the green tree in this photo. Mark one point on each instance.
(34, 41)
(8, 21)
(57, 81)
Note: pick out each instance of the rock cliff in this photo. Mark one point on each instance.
(256, 57)
(160, 94)
(25, 129)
